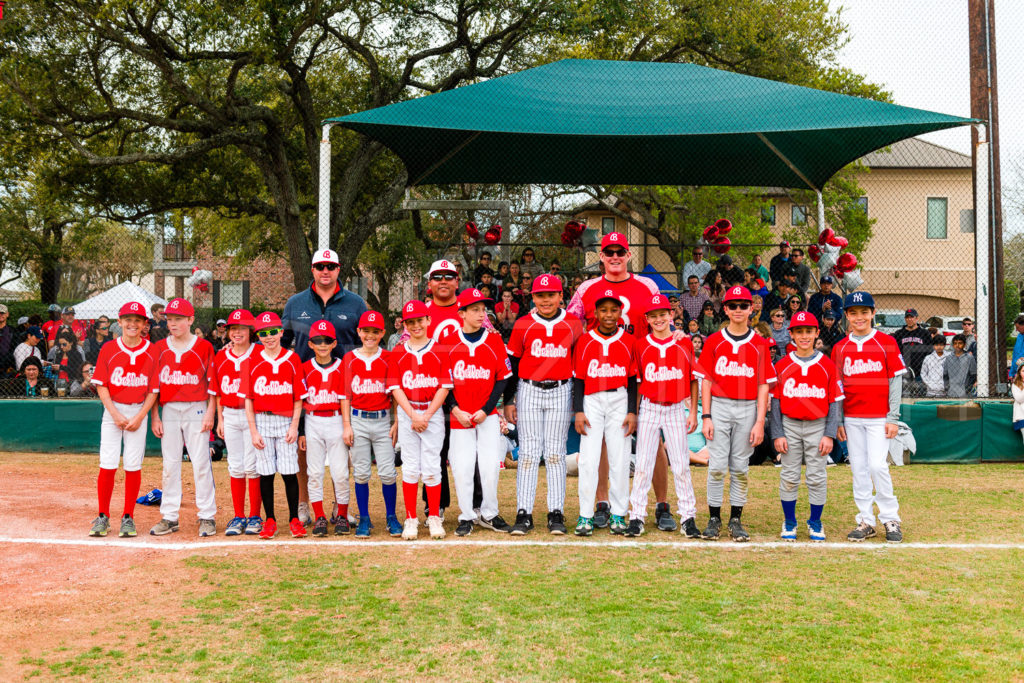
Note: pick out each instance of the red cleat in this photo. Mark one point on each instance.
(297, 529)
(269, 529)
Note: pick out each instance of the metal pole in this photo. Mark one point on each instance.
(821, 211)
(324, 202)
(982, 236)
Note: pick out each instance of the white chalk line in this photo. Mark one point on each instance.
(425, 543)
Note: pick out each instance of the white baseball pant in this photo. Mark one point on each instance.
(606, 411)
(241, 452)
(868, 449)
(183, 427)
(729, 452)
(655, 419)
(277, 455)
(421, 451)
(111, 437)
(545, 417)
(372, 437)
(803, 437)
(324, 446)
(467, 448)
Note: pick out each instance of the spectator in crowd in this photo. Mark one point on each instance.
(506, 312)
(7, 344)
(756, 308)
(1018, 346)
(708, 320)
(779, 328)
(693, 327)
(696, 265)
(464, 282)
(714, 289)
(29, 347)
(77, 327)
(972, 341)
(779, 264)
(731, 275)
(515, 272)
(30, 381)
(803, 272)
(933, 372)
(961, 370)
(530, 265)
(158, 324)
(201, 332)
(66, 358)
(692, 300)
(85, 388)
(830, 331)
(555, 268)
(19, 331)
(754, 283)
(396, 336)
(698, 345)
(915, 341)
(219, 336)
(1017, 389)
(486, 279)
(757, 263)
(483, 266)
(525, 295)
(488, 292)
(99, 336)
(502, 274)
(794, 304)
(825, 299)
(51, 326)
(778, 296)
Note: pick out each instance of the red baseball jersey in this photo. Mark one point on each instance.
(806, 388)
(51, 327)
(419, 374)
(476, 367)
(276, 384)
(325, 386)
(664, 368)
(444, 320)
(635, 292)
(231, 376)
(185, 375)
(736, 368)
(544, 347)
(604, 363)
(865, 369)
(125, 370)
(366, 380)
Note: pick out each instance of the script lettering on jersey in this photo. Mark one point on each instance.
(860, 367)
(367, 386)
(321, 397)
(542, 350)
(793, 390)
(730, 368)
(598, 369)
(177, 377)
(265, 387)
(411, 380)
(228, 385)
(120, 378)
(463, 371)
(652, 373)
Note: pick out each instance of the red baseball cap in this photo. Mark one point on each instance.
(614, 239)
(267, 320)
(546, 283)
(241, 316)
(132, 308)
(414, 309)
(468, 297)
(608, 294)
(179, 307)
(737, 293)
(371, 319)
(803, 319)
(325, 256)
(658, 302)
(322, 328)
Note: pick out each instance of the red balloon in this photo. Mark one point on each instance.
(847, 262)
(814, 251)
(710, 233)
(493, 234)
(721, 245)
(826, 236)
(838, 241)
(568, 239)
(472, 230)
(724, 225)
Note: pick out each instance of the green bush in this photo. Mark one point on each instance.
(1011, 302)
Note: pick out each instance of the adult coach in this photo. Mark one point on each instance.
(635, 292)
(324, 300)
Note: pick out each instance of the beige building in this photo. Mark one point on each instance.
(921, 254)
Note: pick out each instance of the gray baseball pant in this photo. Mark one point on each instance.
(371, 437)
(803, 437)
(729, 452)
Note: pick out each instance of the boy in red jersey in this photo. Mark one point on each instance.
(419, 380)
(479, 366)
(123, 372)
(184, 371)
(604, 400)
(872, 369)
(668, 394)
(805, 413)
(231, 370)
(366, 414)
(320, 433)
(737, 371)
(273, 406)
(538, 398)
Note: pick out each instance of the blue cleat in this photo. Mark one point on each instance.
(236, 527)
(253, 526)
(788, 531)
(394, 526)
(363, 530)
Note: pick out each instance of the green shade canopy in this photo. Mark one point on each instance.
(637, 123)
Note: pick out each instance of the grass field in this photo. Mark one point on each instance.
(575, 609)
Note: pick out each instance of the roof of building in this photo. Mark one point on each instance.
(915, 153)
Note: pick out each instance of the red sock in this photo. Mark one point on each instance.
(238, 495)
(105, 489)
(318, 509)
(255, 498)
(343, 510)
(410, 496)
(434, 500)
(132, 484)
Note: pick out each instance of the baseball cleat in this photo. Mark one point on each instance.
(465, 527)
(495, 523)
(304, 516)
(602, 515)
(100, 525)
(788, 531)
(253, 525)
(320, 527)
(412, 529)
(164, 527)
(815, 530)
(635, 528)
(585, 526)
(269, 529)
(524, 523)
(236, 527)
(436, 527)
(861, 532)
(893, 533)
(737, 532)
(689, 528)
(207, 527)
(297, 528)
(364, 526)
(713, 529)
(556, 523)
(617, 524)
(666, 522)
(127, 527)
(342, 527)
(394, 526)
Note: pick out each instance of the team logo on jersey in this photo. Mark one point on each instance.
(466, 371)
(802, 390)
(445, 328)
(321, 397)
(177, 377)
(228, 385)
(411, 380)
(860, 367)
(597, 369)
(542, 350)
(652, 373)
(120, 378)
(730, 368)
(265, 387)
(367, 386)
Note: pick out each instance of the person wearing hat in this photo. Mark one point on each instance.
(29, 347)
(915, 341)
(67, 319)
(7, 344)
(325, 299)
(780, 263)
(830, 332)
(219, 334)
(731, 275)
(825, 300)
(50, 327)
(805, 413)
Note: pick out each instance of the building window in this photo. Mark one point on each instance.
(798, 215)
(607, 225)
(768, 215)
(862, 202)
(230, 293)
(937, 207)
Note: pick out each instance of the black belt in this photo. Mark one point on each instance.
(550, 384)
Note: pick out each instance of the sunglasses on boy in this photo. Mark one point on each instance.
(438, 277)
(737, 305)
(321, 341)
(326, 266)
(269, 332)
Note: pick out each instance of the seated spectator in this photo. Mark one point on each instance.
(708, 320)
(66, 359)
(530, 264)
(794, 304)
(515, 272)
(524, 294)
(29, 347)
(765, 330)
(396, 336)
(731, 275)
(693, 327)
(758, 264)
(1017, 390)
(219, 336)
(98, 336)
(961, 370)
(830, 331)
(714, 289)
(485, 279)
(756, 308)
(692, 300)
(779, 329)
(30, 381)
(502, 274)
(483, 266)
(85, 388)
(933, 370)
(488, 292)
(507, 312)
(158, 326)
(7, 344)
(556, 269)
(201, 331)
(696, 266)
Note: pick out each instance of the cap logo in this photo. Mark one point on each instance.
(858, 297)
(737, 291)
(544, 280)
(408, 309)
(266, 317)
(135, 307)
(476, 292)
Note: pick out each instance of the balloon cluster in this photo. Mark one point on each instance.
(715, 233)
(572, 233)
(826, 254)
(492, 236)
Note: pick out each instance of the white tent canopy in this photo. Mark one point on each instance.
(109, 302)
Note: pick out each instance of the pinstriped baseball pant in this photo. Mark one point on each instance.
(545, 416)
(654, 420)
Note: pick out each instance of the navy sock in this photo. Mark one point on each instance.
(363, 499)
(816, 512)
(390, 492)
(789, 510)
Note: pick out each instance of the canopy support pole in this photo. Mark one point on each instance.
(323, 212)
(984, 327)
(792, 166)
(821, 211)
